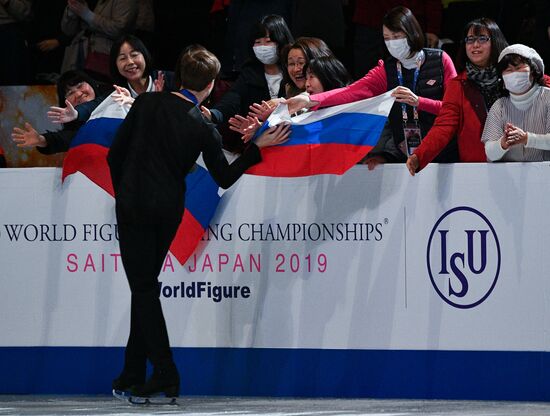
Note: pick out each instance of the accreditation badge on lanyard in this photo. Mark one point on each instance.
(411, 131)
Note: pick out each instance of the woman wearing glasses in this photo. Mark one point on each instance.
(468, 97)
(419, 76)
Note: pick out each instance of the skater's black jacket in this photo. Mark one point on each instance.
(154, 149)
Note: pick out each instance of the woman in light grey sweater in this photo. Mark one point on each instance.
(517, 128)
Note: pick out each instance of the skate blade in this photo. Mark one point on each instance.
(159, 400)
(154, 400)
(121, 395)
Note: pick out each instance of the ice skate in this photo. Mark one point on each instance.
(123, 384)
(162, 388)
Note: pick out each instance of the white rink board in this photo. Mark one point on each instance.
(375, 293)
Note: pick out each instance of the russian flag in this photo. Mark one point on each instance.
(330, 140)
(201, 201)
(88, 154)
(88, 150)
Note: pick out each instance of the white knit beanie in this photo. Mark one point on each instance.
(524, 51)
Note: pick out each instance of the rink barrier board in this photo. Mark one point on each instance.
(406, 374)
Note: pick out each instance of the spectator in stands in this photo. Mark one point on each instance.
(241, 18)
(74, 88)
(260, 77)
(295, 57)
(368, 43)
(322, 74)
(419, 76)
(468, 97)
(517, 128)
(14, 54)
(46, 40)
(94, 33)
(131, 67)
(149, 189)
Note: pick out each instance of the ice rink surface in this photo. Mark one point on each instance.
(105, 405)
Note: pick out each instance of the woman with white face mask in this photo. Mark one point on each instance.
(419, 76)
(517, 128)
(260, 77)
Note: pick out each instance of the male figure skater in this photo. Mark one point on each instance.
(154, 149)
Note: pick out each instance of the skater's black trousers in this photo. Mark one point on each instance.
(143, 248)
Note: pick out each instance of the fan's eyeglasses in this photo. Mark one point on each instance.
(472, 39)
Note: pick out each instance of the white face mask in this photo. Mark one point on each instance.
(267, 55)
(398, 48)
(517, 82)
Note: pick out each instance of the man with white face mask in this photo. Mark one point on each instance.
(517, 128)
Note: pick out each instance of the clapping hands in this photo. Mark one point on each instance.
(512, 136)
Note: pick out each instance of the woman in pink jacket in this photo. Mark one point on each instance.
(419, 76)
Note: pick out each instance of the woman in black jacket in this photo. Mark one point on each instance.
(76, 90)
(261, 76)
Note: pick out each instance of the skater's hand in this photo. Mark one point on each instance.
(263, 111)
(246, 126)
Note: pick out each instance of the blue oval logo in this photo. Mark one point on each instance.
(463, 257)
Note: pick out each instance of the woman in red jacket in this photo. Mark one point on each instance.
(467, 99)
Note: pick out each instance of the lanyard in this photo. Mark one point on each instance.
(415, 79)
(190, 95)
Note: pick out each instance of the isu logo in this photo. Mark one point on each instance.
(463, 257)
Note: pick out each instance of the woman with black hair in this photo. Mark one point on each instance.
(517, 128)
(261, 76)
(324, 74)
(132, 67)
(419, 76)
(296, 57)
(468, 97)
(75, 89)
(321, 74)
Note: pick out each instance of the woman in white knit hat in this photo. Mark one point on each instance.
(517, 128)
